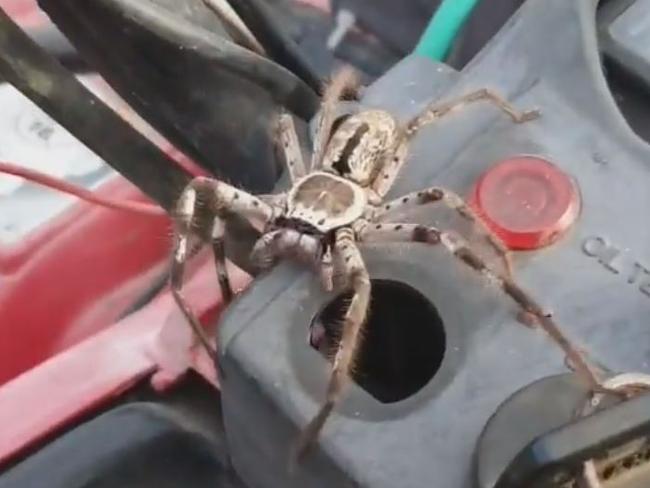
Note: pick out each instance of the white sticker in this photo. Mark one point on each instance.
(30, 138)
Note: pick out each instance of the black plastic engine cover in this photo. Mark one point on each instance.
(174, 63)
(139, 445)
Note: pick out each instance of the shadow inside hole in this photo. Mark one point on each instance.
(403, 340)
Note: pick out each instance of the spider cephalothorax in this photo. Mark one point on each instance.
(338, 204)
(325, 201)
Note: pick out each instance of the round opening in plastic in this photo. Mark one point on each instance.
(403, 340)
(527, 201)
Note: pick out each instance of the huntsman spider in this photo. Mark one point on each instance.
(336, 205)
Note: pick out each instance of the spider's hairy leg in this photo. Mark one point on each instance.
(285, 243)
(326, 270)
(219, 199)
(346, 80)
(395, 160)
(459, 248)
(317, 335)
(275, 200)
(437, 110)
(184, 218)
(390, 168)
(355, 317)
(265, 251)
(219, 253)
(291, 147)
(451, 200)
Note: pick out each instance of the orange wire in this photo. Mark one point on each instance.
(87, 195)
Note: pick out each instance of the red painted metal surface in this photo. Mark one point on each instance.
(154, 340)
(64, 352)
(83, 270)
(76, 276)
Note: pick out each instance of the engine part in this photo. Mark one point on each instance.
(175, 65)
(559, 433)
(621, 31)
(398, 25)
(54, 89)
(625, 37)
(144, 440)
(273, 381)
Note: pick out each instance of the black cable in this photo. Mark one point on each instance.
(56, 90)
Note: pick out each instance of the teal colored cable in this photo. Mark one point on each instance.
(443, 28)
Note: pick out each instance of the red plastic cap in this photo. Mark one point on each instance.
(526, 201)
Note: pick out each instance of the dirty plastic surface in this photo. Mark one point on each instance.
(625, 34)
(595, 280)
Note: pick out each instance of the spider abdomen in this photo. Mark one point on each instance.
(359, 145)
(325, 201)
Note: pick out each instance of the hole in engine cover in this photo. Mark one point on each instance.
(403, 340)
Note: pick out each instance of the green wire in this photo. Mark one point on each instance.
(443, 27)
